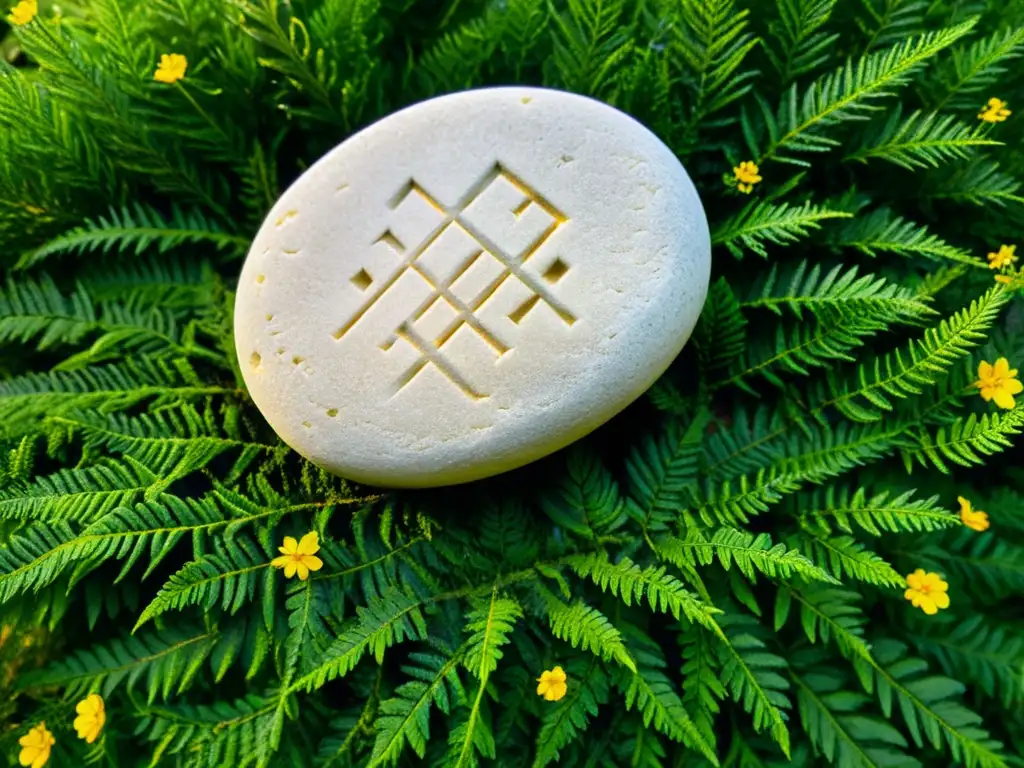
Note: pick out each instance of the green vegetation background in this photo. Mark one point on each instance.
(720, 571)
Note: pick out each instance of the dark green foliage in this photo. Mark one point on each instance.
(720, 576)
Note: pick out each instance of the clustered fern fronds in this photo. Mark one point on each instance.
(719, 573)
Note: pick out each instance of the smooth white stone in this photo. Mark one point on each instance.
(588, 262)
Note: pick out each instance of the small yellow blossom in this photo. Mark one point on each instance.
(747, 176)
(92, 714)
(1004, 279)
(994, 112)
(299, 557)
(927, 591)
(35, 747)
(998, 382)
(1006, 256)
(23, 12)
(172, 68)
(974, 519)
(551, 684)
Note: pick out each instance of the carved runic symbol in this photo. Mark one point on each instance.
(463, 254)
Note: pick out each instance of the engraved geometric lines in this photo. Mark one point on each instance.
(459, 256)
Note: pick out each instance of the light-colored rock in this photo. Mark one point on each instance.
(470, 284)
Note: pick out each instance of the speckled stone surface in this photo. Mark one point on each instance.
(470, 284)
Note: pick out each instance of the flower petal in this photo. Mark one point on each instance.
(310, 544)
(312, 562)
(1013, 386)
(1004, 399)
(290, 545)
(281, 562)
(1002, 367)
(303, 570)
(984, 372)
(289, 569)
(941, 600)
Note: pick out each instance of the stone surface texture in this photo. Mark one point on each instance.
(470, 284)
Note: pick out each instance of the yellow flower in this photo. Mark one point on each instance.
(994, 112)
(551, 684)
(23, 12)
(172, 68)
(927, 591)
(1004, 279)
(974, 519)
(299, 557)
(747, 176)
(92, 714)
(998, 382)
(1006, 256)
(35, 746)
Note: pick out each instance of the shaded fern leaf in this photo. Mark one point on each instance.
(227, 576)
(649, 690)
(962, 81)
(749, 672)
(587, 499)
(168, 660)
(828, 614)
(930, 706)
(802, 48)
(405, 717)
(564, 722)
(720, 334)
(838, 722)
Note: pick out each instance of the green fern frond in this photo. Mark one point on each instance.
(564, 722)
(587, 500)
(967, 441)
(881, 512)
(168, 660)
(978, 649)
(978, 558)
(591, 45)
(702, 690)
(136, 228)
(901, 374)
(227, 576)
(83, 495)
(849, 93)
(845, 556)
(837, 721)
(751, 554)
(802, 48)
(761, 223)
(712, 40)
(405, 717)
(981, 183)
(971, 70)
(720, 335)
(395, 617)
(630, 583)
(923, 140)
(663, 470)
(826, 613)
(749, 673)
(881, 232)
(586, 628)
(24, 400)
(928, 706)
(837, 291)
(649, 691)
(891, 20)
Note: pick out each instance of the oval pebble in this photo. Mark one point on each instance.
(470, 284)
